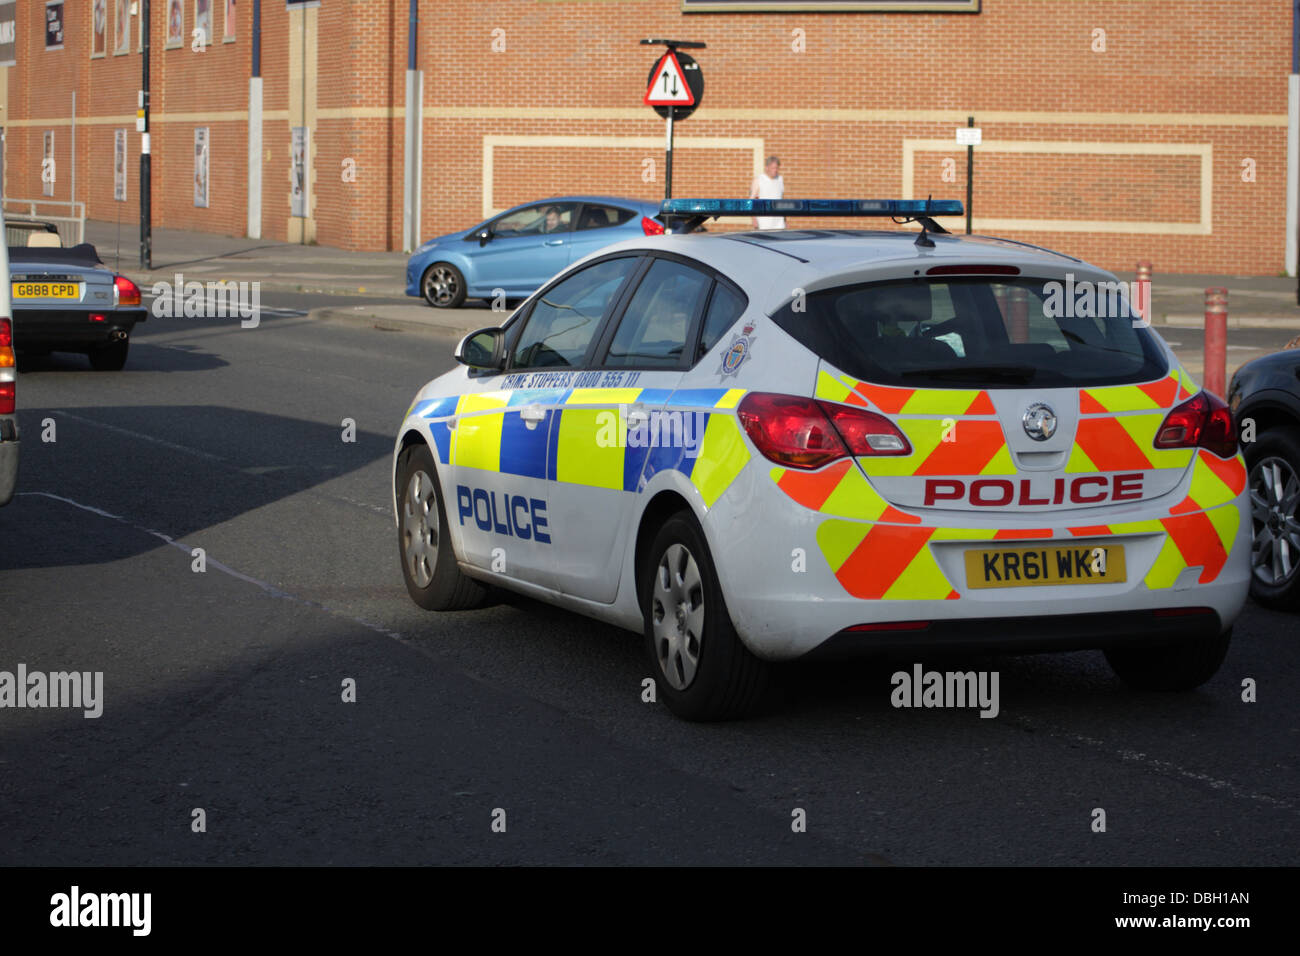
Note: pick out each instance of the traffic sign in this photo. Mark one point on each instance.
(675, 80)
(668, 86)
(969, 135)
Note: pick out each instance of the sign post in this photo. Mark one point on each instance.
(970, 137)
(674, 88)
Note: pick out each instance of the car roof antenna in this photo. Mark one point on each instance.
(924, 240)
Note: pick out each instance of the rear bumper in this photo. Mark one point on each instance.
(1061, 632)
(71, 328)
(8, 459)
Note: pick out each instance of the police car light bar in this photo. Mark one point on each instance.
(897, 208)
(687, 215)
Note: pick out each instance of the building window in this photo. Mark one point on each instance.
(54, 25)
(175, 24)
(122, 28)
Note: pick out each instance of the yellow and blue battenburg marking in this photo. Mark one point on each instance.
(486, 431)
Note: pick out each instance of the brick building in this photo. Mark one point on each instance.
(1112, 129)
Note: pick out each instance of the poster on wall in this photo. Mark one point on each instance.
(201, 167)
(119, 164)
(122, 32)
(54, 25)
(8, 33)
(99, 28)
(203, 21)
(229, 27)
(298, 185)
(47, 165)
(175, 22)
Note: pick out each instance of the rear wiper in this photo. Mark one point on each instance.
(1006, 373)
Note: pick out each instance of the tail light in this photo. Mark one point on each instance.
(805, 433)
(651, 227)
(7, 364)
(127, 292)
(1203, 421)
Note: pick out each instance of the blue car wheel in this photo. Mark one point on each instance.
(443, 286)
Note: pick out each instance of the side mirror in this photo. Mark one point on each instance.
(482, 349)
(484, 236)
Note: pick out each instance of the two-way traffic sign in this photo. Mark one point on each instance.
(668, 86)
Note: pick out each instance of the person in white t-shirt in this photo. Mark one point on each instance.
(769, 184)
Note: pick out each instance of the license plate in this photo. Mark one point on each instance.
(1024, 567)
(47, 290)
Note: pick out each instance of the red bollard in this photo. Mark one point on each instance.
(1216, 340)
(1143, 291)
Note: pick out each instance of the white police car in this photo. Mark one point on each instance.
(762, 445)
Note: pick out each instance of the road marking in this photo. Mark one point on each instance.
(143, 437)
(1155, 763)
(269, 589)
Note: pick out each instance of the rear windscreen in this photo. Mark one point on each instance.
(983, 332)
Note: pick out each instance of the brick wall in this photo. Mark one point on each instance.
(1147, 136)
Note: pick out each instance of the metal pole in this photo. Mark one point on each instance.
(970, 175)
(1216, 340)
(255, 129)
(72, 166)
(668, 174)
(146, 171)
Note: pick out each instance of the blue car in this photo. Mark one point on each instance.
(516, 251)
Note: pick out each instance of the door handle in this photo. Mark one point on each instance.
(637, 415)
(532, 415)
(553, 242)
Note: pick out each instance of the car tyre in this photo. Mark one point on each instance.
(702, 670)
(1273, 482)
(443, 286)
(433, 578)
(1170, 667)
(110, 358)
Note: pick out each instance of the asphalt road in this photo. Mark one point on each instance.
(222, 689)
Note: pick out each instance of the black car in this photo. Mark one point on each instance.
(1264, 396)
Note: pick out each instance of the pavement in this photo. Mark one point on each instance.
(1178, 301)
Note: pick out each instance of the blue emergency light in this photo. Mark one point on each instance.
(688, 215)
(896, 208)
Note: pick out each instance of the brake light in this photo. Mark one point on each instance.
(7, 364)
(651, 227)
(1203, 421)
(866, 433)
(128, 293)
(804, 433)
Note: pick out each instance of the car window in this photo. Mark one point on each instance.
(601, 217)
(545, 217)
(566, 317)
(654, 328)
(977, 332)
(724, 308)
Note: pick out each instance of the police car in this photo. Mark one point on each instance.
(757, 446)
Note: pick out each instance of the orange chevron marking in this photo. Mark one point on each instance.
(1231, 472)
(1162, 392)
(811, 489)
(977, 442)
(880, 558)
(1110, 447)
(1198, 542)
